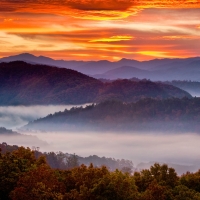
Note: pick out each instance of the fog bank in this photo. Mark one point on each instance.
(138, 147)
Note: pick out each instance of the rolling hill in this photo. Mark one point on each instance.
(131, 91)
(23, 83)
(168, 72)
(124, 72)
(33, 84)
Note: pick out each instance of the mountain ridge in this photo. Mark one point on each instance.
(159, 67)
(27, 84)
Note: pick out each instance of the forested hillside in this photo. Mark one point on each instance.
(24, 175)
(60, 160)
(193, 87)
(27, 84)
(179, 115)
(132, 91)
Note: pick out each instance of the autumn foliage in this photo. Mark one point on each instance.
(23, 176)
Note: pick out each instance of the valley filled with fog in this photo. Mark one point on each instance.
(176, 148)
(138, 147)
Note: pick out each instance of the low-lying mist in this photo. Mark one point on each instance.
(194, 93)
(23, 140)
(17, 116)
(138, 147)
(143, 146)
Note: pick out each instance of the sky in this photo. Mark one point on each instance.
(100, 29)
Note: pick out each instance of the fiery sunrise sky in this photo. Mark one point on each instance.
(100, 29)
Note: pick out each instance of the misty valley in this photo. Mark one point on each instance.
(143, 132)
(99, 99)
(34, 101)
(72, 121)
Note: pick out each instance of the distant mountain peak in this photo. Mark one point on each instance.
(44, 57)
(22, 56)
(122, 59)
(126, 59)
(163, 69)
(25, 54)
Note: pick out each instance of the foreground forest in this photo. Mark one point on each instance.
(26, 175)
(60, 160)
(179, 115)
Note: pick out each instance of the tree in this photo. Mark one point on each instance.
(191, 180)
(156, 192)
(72, 161)
(90, 183)
(116, 185)
(40, 183)
(162, 174)
(14, 165)
(182, 192)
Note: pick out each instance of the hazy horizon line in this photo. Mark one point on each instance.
(122, 58)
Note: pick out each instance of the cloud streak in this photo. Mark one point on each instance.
(94, 5)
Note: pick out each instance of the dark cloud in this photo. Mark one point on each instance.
(93, 5)
(87, 5)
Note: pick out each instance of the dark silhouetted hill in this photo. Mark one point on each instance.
(23, 83)
(27, 84)
(131, 91)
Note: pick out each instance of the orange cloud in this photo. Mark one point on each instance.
(169, 4)
(99, 29)
(87, 9)
(116, 38)
(178, 37)
(156, 54)
(92, 9)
